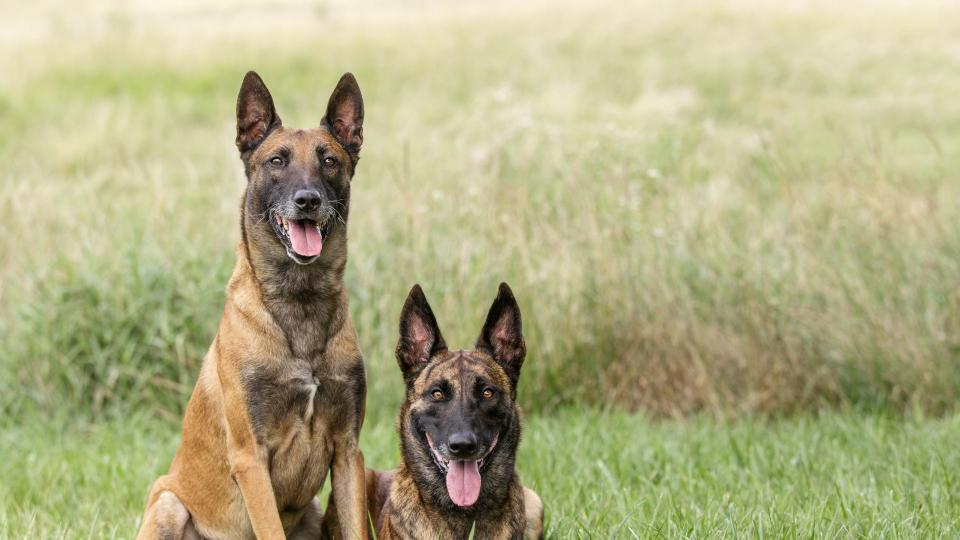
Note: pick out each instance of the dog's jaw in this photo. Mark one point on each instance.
(461, 488)
(285, 228)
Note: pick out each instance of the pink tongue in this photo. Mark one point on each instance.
(305, 238)
(463, 482)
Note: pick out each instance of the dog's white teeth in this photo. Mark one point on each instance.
(286, 225)
(318, 230)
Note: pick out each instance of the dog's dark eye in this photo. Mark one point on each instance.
(488, 394)
(276, 161)
(437, 395)
(329, 162)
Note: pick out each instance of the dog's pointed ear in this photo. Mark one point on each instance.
(502, 334)
(256, 115)
(420, 337)
(344, 115)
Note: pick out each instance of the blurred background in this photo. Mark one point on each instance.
(731, 210)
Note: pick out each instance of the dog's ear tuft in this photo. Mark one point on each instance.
(502, 334)
(256, 116)
(420, 337)
(344, 114)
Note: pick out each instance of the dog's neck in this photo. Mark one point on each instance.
(499, 515)
(307, 302)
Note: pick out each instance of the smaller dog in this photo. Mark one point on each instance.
(459, 430)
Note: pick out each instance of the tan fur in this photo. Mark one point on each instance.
(396, 507)
(405, 517)
(533, 507)
(462, 397)
(280, 398)
(221, 474)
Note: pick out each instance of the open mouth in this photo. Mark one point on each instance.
(462, 475)
(303, 238)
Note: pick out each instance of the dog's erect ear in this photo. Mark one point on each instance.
(420, 337)
(345, 115)
(256, 116)
(502, 336)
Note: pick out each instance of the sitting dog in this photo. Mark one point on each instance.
(280, 397)
(459, 430)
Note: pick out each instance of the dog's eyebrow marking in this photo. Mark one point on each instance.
(426, 373)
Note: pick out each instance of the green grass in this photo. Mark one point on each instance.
(740, 207)
(600, 476)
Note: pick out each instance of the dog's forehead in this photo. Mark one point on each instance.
(462, 366)
(300, 142)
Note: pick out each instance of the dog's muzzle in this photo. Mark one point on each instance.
(302, 236)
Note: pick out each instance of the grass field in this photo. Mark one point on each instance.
(739, 218)
(601, 475)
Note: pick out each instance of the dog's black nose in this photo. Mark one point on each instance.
(463, 444)
(307, 199)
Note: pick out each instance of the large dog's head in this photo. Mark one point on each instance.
(460, 425)
(298, 193)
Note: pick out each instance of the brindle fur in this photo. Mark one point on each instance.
(412, 501)
(280, 397)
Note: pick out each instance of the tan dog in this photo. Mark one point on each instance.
(459, 429)
(280, 398)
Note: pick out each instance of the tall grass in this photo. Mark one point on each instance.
(739, 207)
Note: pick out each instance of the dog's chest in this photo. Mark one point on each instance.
(298, 411)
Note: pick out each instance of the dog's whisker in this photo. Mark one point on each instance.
(339, 217)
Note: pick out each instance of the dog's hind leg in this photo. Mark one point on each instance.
(167, 519)
(310, 524)
(533, 508)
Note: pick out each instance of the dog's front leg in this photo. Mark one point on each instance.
(254, 481)
(248, 463)
(349, 491)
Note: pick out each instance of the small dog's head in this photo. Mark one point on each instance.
(461, 414)
(299, 179)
